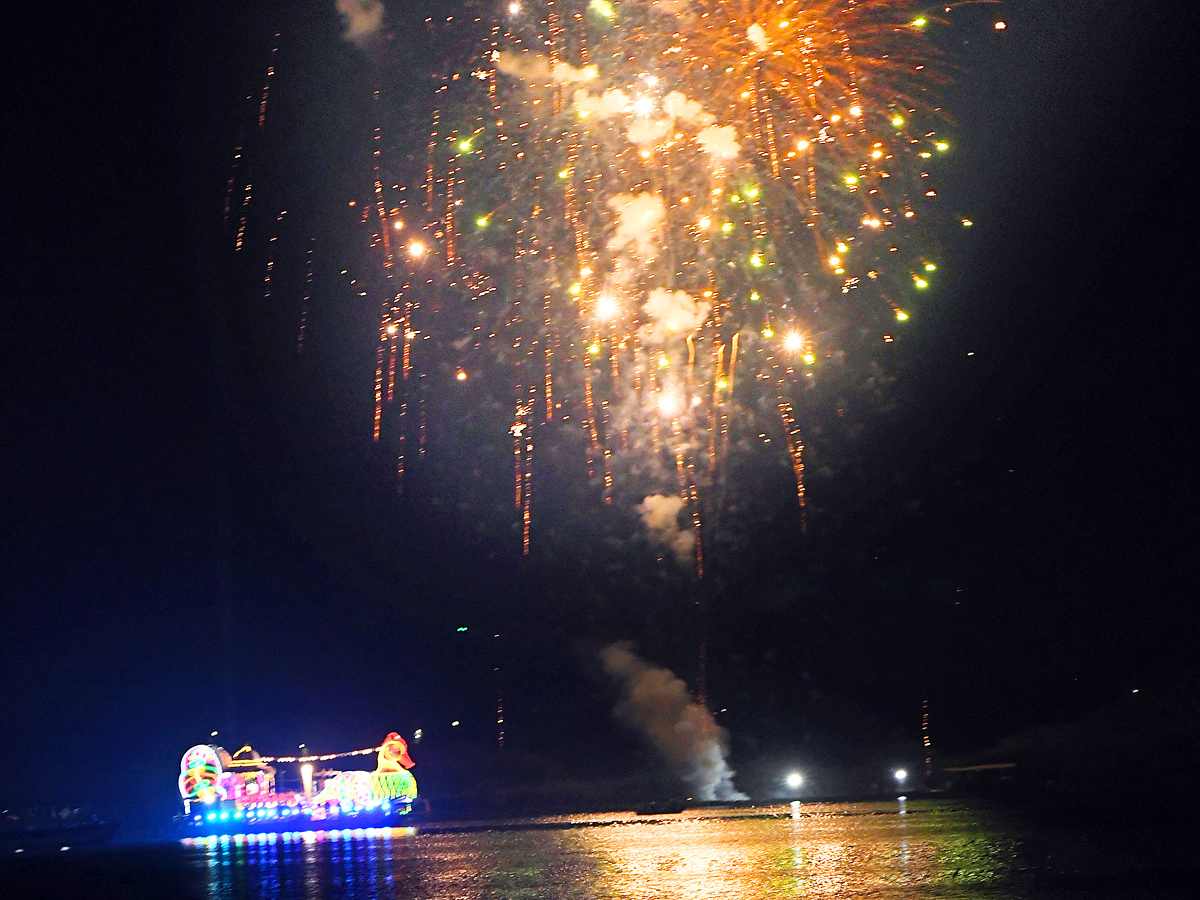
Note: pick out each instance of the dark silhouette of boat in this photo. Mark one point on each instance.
(661, 807)
(43, 829)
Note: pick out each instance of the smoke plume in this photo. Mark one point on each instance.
(534, 67)
(639, 223)
(678, 106)
(363, 19)
(719, 141)
(612, 102)
(672, 314)
(660, 515)
(657, 702)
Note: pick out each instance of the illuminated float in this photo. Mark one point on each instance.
(225, 793)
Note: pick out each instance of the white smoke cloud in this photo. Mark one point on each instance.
(534, 67)
(363, 19)
(640, 219)
(660, 515)
(672, 314)
(719, 141)
(657, 702)
(610, 103)
(646, 134)
(677, 106)
(758, 37)
(565, 73)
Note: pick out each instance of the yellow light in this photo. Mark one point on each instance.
(416, 249)
(565, 173)
(920, 22)
(930, 267)
(876, 154)
(802, 144)
(942, 145)
(727, 227)
(754, 295)
(842, 248)
(585, 271)
(603, 8)
(722, 384)
(835, 260)
(897, 121)
(735, 199)
(851, 179)
(753, 192)
(920, 282)
(1000, 26)
(391, 329)
(398, 225)
(767, 332)
(901, 316)
(594, 349)
(482, 221)
(967, 223)
(756, 261)
(460, 375)
(705, 222)
(809, 359)
(856, 110)
(576, 288)
(465, 145)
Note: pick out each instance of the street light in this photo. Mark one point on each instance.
(900, 775)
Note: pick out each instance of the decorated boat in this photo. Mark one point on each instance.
(246, 792)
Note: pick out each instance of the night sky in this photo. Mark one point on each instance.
(198, 534)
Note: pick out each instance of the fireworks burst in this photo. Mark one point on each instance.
(664, 220)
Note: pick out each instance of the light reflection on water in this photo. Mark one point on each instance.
(833, 851)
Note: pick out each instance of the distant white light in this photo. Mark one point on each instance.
(900, 775)
(794, 780)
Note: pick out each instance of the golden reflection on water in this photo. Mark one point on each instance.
(831, 851)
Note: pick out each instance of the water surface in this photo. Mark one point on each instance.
(936, 849)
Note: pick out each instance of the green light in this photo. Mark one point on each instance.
(734, 198)
(942, 145)
(930, 267)
(756, 261)
(901, 316)
(851, 179)
(603, 8)
(482, 221)
(920, 22)
(576, 288)
(461, 628)
(921, 283)
(753, 192)
(727, 227)
(565, 173)
(754, 296)
(465, 145)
